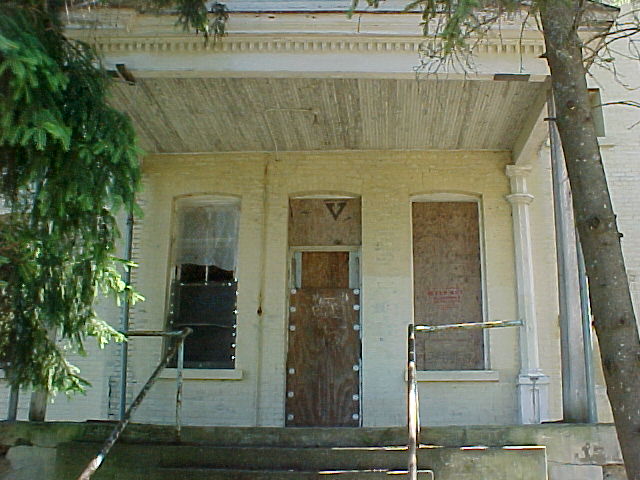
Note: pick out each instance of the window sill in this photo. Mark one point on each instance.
(458, 376)
(204, 374)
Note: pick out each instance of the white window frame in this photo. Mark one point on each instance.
(485, 374)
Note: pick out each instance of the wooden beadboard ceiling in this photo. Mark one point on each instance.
(175, 115)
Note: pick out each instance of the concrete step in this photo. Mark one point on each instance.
(206, 461)
(53, 433)
(240, 474)
(256, 436)
(279, 458)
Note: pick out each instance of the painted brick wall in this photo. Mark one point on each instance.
(386, 181)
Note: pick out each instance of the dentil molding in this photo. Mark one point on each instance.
(237, 43)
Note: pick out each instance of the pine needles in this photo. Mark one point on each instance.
(68, 162)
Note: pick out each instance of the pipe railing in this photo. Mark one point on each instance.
(177, 347)
(14, 396)
(413, 422)
(413, 402)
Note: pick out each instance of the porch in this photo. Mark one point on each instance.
(293, 106)
(59, 450)
(390, 141)
(387, 142)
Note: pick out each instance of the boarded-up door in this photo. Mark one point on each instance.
(323, 362)
(447, 284)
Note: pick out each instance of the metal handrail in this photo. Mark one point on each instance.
(469, 326)
(413, 410)
(178, 347)
(413, 402)
(14, 397)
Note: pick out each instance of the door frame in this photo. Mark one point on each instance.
(293, 277)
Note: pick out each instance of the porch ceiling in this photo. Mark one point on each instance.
(175, 115)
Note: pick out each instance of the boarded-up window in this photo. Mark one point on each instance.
(204, 285)
(447, 284)
(324, 222)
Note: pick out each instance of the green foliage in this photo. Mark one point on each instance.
(451, 28)
(204, 17)
(68, 162)
(194, 14)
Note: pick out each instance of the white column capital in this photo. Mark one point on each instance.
(518, 175)
(517, 171)
(520, 198)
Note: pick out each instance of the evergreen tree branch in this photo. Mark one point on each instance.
(68, 162)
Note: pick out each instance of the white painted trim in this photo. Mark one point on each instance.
(423, 77)
(323, 196)
(458, 376)
(284, 42)
(205, 200)
(446, 197)
(326, 248)
(203, 374)
(213, 156)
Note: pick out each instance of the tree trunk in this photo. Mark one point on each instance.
(611, 304)
(38, 406)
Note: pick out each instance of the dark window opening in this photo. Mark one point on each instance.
(203, 293)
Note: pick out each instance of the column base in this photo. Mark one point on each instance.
(533, 397)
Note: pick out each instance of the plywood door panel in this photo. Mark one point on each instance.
(324, 222)
(447, 284)
(323, 359)
(325, 270)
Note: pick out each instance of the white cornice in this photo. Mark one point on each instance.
(238, 43)
(124, 30)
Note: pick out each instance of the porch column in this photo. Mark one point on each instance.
(533, 384)
(578, 395)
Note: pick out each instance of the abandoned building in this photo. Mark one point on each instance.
(311, 188)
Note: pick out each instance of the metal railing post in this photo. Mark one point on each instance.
(587, 338)
(125, 316)
(179, 389)
(14, 396)
(412, 404)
